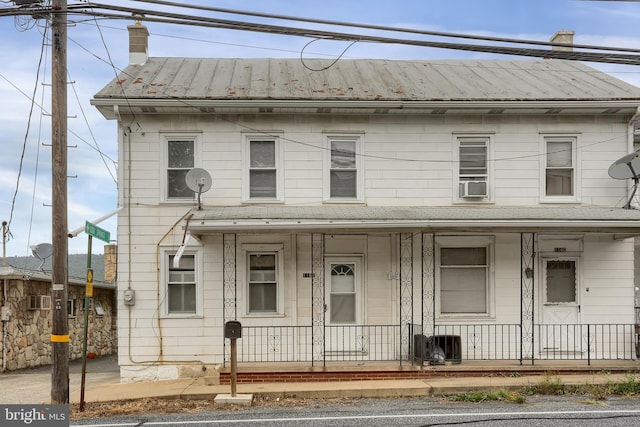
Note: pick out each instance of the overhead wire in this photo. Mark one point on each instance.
(166, 17)
(26, 136)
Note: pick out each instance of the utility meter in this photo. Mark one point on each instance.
(129, 297)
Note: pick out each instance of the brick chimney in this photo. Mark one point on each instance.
(138, 43)
(110, 263)
(563, 36)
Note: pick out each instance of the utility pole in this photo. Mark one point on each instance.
(59, 277)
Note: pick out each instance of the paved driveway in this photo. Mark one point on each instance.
(33, 386)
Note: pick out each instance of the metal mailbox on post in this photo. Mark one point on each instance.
(232, 329)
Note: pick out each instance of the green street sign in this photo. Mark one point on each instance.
(97, 232)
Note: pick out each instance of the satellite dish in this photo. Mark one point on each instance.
(42, 252)
(627, 167)
(198, 180)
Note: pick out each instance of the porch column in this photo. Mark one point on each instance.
(317, 298)
(527, 269)
(229, 288)
(406, 294)
(428, 285)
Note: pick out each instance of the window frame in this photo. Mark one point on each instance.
(458, 179)
(251, 249)
(165, 270)
(575, 259)
(164, 170)
(357, 140)
(278, 166)
(487, 242)
(574, 139)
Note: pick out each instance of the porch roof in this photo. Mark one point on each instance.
(593, 219)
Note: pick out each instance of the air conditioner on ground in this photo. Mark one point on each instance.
(471, 189)
(40, 302)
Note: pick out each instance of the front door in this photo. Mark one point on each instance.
(560, 331)
(343, 305)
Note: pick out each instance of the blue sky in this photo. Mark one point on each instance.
(94, 45)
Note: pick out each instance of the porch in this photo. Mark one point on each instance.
(407, 346)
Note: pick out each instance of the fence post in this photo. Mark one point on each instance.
(588, 344)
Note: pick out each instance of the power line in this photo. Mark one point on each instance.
(611, 54)
(165, 17)
(381, 27)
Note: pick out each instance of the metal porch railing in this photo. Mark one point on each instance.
(453, 343)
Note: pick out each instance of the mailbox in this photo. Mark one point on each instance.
(232, 329)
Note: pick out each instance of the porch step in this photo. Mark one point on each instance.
(566, 367)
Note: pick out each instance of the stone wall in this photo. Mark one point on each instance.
(28, 332)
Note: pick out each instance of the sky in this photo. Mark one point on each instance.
(98, 49)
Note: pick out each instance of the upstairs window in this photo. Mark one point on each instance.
(559, 174)
(344, 172)
(263, 177)
(473, 171)
(262, 169)
(180, 158)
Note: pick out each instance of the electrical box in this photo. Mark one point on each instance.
(129, 297)
(232, 329)
(5, 313)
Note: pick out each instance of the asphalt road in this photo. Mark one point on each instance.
(33, 386)
(537, 411)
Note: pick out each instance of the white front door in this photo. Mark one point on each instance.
(560, 330)
(343, 304)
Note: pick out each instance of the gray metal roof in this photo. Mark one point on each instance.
(487, 218)
(366, 80)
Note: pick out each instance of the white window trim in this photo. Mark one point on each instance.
(164, 278)
(246, 163)
(248, 248)
(489, 138)
(164, 162)
(326, 187)
(465, 242)
(576, 159)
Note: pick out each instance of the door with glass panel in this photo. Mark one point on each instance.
(343, 300)
(560, 331)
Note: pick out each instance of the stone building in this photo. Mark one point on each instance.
(27, 315)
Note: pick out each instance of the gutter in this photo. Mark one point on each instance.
(106, 105)
(589, 225)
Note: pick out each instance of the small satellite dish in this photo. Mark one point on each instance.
(627, 167)
(198, 180)
(42, 252)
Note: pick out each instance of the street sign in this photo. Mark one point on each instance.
(97, 232)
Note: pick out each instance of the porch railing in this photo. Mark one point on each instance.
(294, 343)
(457, 342)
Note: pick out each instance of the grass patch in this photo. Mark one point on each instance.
(487, 396)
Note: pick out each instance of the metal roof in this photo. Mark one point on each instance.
(485, 218)
(365, 80)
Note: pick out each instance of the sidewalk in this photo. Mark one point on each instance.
(103, 384)
(196, 388)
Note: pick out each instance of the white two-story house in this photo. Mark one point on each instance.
(376, 210)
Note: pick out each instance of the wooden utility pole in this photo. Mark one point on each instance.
(59, 278)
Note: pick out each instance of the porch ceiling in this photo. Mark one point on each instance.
(589, 219)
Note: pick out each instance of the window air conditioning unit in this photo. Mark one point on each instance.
(471, 189)
(40, 302)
